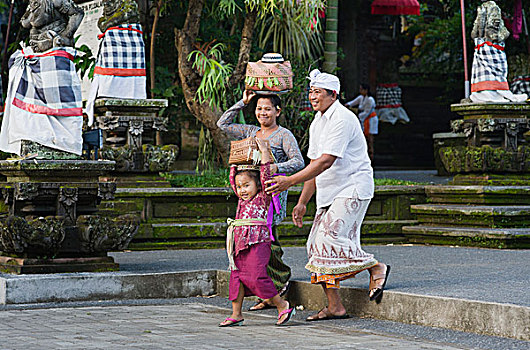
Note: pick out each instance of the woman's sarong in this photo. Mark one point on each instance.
(334, 244)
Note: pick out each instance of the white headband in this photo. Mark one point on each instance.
(324, 80)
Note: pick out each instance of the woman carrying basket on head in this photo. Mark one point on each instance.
(288, 158)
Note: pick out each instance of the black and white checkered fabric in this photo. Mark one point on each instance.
(388, 96)
(489, 63)
(521, 85)
(122, 48)
(49, 82)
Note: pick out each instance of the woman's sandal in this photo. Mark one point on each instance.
(290, 313)
(261, 305)
(231, 322)
(378, 291)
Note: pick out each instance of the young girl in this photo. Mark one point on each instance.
(249, 241)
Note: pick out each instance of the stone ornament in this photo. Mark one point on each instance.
(103, 234)
(117, 12)
(52, 23)
(41, 237)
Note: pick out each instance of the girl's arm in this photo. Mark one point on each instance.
(232, 178)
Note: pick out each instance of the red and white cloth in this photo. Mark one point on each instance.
(43, 103)
(120, 68)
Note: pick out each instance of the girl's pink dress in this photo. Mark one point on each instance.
(252, 244)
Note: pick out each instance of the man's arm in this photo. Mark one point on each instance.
(315, 168)
(301, 207)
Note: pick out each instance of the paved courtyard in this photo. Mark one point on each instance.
(186, 326)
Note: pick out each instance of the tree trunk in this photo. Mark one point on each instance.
(152, 67)
(190, 79)
(330, 36)
(244, 49)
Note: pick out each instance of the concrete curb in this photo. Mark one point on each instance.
(29, 289)
(503, 320)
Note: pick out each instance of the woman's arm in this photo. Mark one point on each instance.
(356, 101)
(226, 122)
(232, 178)
(291, 149)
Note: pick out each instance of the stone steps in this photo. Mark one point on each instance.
(469, 236)
(472, 215)
(212, 234)
(478, 194)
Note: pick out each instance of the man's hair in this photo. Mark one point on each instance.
(332, 93)
(254, 176)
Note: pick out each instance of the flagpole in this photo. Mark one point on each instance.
(464, 40)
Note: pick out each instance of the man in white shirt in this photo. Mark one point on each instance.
(342, 177)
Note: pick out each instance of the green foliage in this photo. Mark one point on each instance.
(86, 62)
(214, 71)
(289, 31)
(207, 154)
(217, 178)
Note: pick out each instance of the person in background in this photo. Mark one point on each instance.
(367, 115)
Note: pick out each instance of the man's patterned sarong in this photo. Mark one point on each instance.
(334, 244)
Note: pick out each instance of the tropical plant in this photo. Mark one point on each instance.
(214, 71)
(291, 33)
(331, 36)
(198, 90)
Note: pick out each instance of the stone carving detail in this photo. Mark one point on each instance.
(37, 151)
(26, 191)
(486, 125)
(102, 234)
(160, 124)
(41, 237)
(52, 23)
(108, 122)
(66, 203)
(106, 190)
(160, 158)
(123, 156)
(116, 12)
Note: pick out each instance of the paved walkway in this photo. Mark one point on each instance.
(188, 326)
(488, 275)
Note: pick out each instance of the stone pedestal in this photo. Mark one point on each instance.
(49, 216)
(130, 128)
(494, 141)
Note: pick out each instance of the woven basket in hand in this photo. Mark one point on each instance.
(241, 152)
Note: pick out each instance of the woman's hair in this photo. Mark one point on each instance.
(366, 87)
(254, 176)
(274, 100)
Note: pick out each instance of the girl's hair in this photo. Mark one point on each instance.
(366, 87)
(254, 175)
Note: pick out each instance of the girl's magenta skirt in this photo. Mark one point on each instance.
(252, 273)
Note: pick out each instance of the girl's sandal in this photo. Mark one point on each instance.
(230, 322)
(290, 313)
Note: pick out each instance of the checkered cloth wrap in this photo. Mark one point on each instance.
(122, 51)
(49, 84)
(521, 84)
(490, 67)
(388, 96)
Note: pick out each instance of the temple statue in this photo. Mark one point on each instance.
(490, 67)
(52, 23)
(44, 105)
(120, 66)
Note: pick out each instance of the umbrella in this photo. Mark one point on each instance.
(395, 7)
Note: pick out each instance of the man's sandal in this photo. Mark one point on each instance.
(378, 291)
(231, 322)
